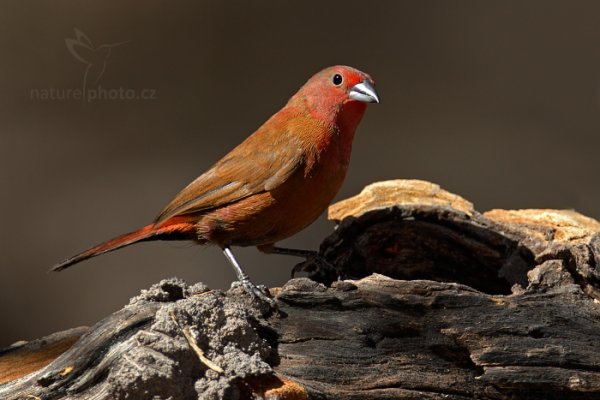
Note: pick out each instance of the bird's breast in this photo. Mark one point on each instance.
(271, 216)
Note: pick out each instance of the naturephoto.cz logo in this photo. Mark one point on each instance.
(95, 60)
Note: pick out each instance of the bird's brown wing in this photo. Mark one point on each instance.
(252, 167)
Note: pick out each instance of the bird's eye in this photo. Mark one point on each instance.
(337, 79)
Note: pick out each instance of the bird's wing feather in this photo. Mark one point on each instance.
(248, 169)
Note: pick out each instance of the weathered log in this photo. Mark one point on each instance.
(500, 305)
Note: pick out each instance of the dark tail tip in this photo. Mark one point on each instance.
(61, 265)
(78, 258)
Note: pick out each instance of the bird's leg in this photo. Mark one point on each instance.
(244, 279)
(313, 259)
(308, 254)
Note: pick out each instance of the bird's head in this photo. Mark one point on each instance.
(338, 94)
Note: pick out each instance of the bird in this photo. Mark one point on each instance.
(273, 184)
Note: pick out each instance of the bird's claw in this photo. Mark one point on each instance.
(255, 291)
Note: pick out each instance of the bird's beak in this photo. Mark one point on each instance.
(365, 92)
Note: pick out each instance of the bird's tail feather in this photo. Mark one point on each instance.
(176, 229)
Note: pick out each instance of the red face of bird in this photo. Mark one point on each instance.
(335, 90)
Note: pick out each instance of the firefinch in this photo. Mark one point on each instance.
(273, 184)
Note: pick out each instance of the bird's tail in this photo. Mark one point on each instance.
(176, 228)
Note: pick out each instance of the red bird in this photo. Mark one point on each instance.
(272, 185)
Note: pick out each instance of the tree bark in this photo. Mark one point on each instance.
(499, 305)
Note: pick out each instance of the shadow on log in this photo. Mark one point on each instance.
(500, 305)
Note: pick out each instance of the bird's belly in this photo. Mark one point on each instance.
(268, 217)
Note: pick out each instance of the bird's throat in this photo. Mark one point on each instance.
(350, 115)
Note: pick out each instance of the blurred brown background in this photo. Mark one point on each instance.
(497, 101)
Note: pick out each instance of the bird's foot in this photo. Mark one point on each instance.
(257, 292)
(247, 284)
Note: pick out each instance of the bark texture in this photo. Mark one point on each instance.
(435, 301)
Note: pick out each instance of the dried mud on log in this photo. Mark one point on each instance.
(499, 305)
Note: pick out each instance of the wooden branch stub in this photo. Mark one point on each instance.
(410, 229)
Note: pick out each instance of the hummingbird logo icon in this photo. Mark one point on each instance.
(94, 57)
